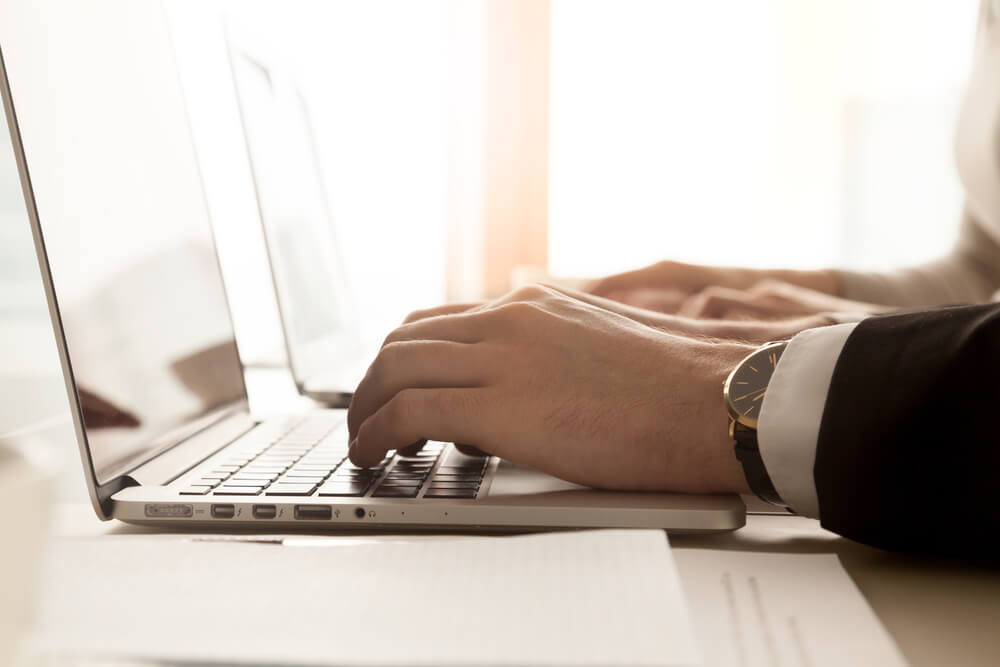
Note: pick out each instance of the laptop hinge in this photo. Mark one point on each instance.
(179, 459)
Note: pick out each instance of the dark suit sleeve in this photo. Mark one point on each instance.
(908, 454)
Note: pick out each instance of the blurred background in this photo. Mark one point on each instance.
(467, 145)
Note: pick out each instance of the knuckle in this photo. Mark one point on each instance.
(529, 292)
(394, 335)
(417, 315)
(390, 354)
(710, 301)
(519, 312)
(698, 305)
(388, 364)
(766, 286)
(714, 292)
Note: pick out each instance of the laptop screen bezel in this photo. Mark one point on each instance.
(100, 494)
(306, 358)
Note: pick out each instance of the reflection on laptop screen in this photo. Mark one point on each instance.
(304, 258)
(126, 229)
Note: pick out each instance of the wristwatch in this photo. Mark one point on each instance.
(744, 392)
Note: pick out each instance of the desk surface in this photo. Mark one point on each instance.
(939, 613)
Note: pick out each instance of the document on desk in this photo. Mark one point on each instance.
(781, 610)
(575, 598)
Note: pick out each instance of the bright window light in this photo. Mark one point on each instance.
(763, 132)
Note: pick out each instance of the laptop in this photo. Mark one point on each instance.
(315, 305)
(152, 371)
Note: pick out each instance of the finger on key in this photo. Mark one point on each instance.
(414, 449)
(469, 450)
(416, 364)
(448, 414)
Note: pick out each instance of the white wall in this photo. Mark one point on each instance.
(761, 132)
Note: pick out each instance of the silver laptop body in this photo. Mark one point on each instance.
(317, 310)
(142, 325)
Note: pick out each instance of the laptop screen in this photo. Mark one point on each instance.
(305, 262)
(121, 209)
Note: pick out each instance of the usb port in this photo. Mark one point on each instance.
(264, 511)
(223, 511)
(313, 513)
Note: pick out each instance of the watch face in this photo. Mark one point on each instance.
(747, 384)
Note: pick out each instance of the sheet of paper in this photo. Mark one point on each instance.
(781, 610)
(579, 598)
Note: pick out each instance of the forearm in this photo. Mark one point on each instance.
(970, 273)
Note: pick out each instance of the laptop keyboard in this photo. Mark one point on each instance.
(308, 457)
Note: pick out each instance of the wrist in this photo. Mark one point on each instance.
(718, 469)
(761, 331)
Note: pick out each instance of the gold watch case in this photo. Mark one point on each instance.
(746, 385)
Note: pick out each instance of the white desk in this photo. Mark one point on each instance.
(939, 613)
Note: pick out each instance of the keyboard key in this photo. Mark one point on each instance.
(396, 492)
(337, 479)
(356, 472)
(216, 475)
(244, 482)
(351, 489)
(277, 470)
(329, 465)
(205, 482)
(195, 491)
(259, 476)
(450, 493)
(458, 477)
(326, 470)
(401, 482)
(454, 485)
(275, 461)
(348, 466)
(280, 489)
(464, 467)
(405, 475)
(309, 471)
(301, 480)
(237, 490)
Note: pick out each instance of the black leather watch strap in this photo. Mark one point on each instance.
(748, 453)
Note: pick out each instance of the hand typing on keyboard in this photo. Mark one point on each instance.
(307, 456)
(546, 380)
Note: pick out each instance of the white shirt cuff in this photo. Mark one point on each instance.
(790, 417)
